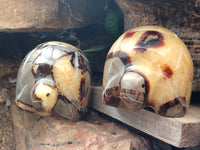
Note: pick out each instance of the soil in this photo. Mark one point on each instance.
(7, 138)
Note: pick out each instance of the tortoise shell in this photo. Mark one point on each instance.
(54, 78)
(149, 66)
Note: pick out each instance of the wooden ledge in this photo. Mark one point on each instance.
(179, 132)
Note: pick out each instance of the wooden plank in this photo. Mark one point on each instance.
(180, 132)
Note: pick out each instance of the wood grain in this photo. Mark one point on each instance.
(180, 132)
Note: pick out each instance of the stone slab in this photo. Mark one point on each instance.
(48, 15)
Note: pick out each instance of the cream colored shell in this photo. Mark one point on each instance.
(54, 78)
(162, 59)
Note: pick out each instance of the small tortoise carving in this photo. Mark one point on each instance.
(54, 78)
(149, 66)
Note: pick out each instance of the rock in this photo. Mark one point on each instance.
(8, 72)
(97, 133)
(45, 15)
(4, 97)
(180, 17)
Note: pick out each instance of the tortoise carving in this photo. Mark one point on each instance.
(54, 78)
(149, 66)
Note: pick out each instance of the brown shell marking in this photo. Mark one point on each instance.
(167, 71)
(111, 97)
(178, 100)
(64, 99)
(82, 65)
(150, 39)
(125, 58)
(72, 59)
(27, 105)
(129, 34)
(82, 89)
(42, 70)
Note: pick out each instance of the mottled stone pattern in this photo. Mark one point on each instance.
(181, 17)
